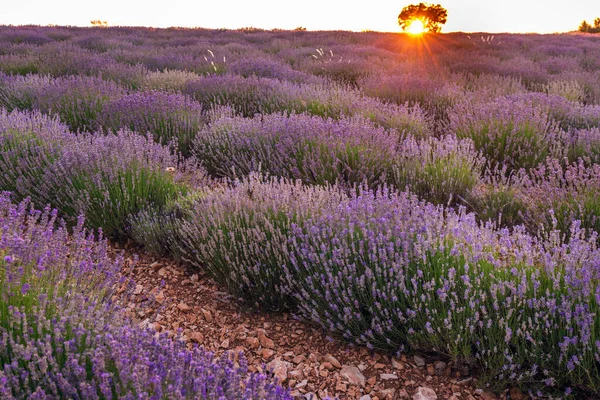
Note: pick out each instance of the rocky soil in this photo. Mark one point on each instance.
(167, 296)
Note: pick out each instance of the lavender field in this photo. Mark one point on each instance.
(433, 195)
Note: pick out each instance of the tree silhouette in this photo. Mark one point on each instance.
(433, 16)
(585, 27)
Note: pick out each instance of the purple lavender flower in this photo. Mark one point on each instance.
(77, 100)
(78, 344)
(311, 149)
(240, 234)
(509, 131)
(167, 117)
(107, 178)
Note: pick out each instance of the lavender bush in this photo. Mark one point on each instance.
(509, 131)
(158, 229)
(434, 95)
(248, 96)
(19, 92)
(387, 271)
(558, 195)
(167, 80)
(570, 115)
(29, 144)
(167, 117)
(346, 72)
(107, 178)
(266, 68)
(239, 234)
(62, 338)
(497, 198)
(314, 150)
(488, 86)
(77, 100)
(585, 143)
(251, 96)
(442, 171)
(19, 64)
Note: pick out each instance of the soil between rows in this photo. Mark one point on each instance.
(168, 296)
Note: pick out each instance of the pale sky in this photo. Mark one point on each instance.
(380, 15)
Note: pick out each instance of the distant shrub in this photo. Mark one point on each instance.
(588, 28)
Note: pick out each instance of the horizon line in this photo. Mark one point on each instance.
(257, 29)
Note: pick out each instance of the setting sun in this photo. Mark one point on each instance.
(416, 27)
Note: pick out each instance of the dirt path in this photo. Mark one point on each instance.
(305, 359)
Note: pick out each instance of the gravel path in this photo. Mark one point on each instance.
(167, 296)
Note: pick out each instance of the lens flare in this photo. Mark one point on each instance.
(416, 27)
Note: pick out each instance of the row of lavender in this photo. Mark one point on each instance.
(380, 268)
(434, 73)
(392, 272)
(373, 61)
(503, 125)
(504, 154)
(61, 333)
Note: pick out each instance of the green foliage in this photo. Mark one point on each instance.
(157, 229)
(112, 196)
(442, 171)
(584, 207)
(499, 203)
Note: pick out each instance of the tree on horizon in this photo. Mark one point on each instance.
(433, 16)
(587, 28)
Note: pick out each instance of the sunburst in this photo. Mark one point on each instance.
(416, 27)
